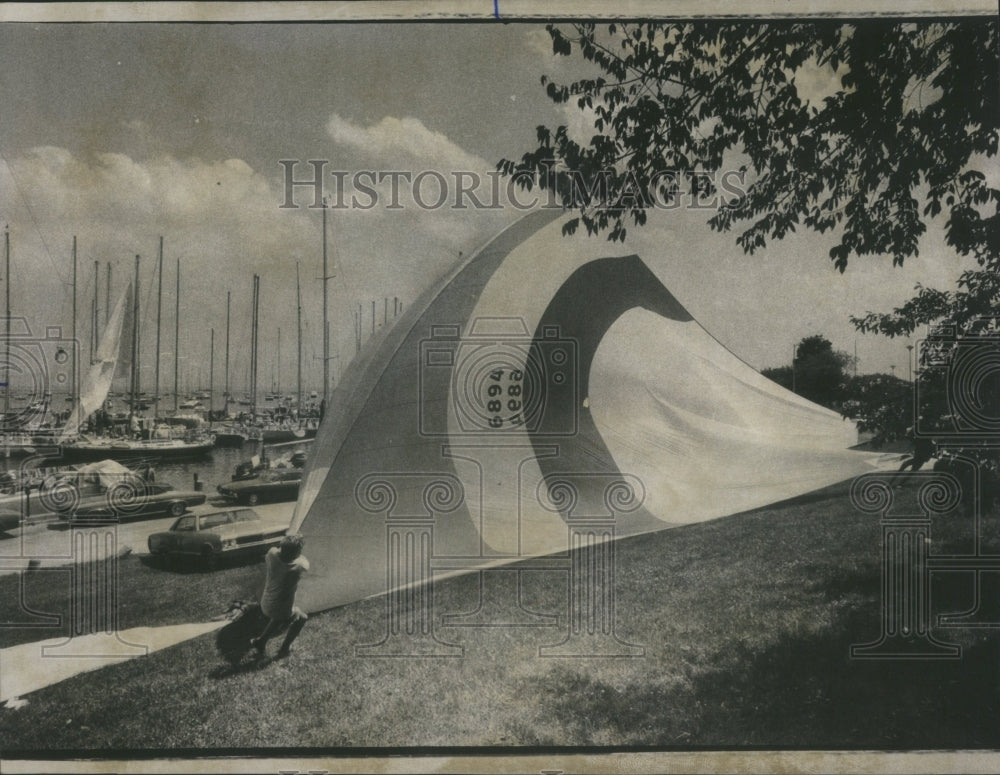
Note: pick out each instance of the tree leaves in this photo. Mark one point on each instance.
(885, 134)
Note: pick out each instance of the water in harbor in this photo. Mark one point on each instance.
(212, 469)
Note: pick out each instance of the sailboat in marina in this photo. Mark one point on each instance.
(113, 351)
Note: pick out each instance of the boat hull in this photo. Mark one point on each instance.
(283, 435)
(230, 439)
(84, 451)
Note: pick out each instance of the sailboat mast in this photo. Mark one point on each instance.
(107, 296)
(326, 322)
(211, 375)
(254, 335)
(177, 329)
(94, 338)
(135, 342)
(228, 295)
(72, 385)
(278, 388)
(6, 360)
(159, 315)
(298, 300)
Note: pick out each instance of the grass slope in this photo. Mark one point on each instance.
(746, 623)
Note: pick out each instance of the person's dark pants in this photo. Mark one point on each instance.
(915, 463)
(295, 623)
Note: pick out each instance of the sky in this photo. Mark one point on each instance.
(121, 134)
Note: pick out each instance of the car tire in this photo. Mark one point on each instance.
(253, 499)
(177, 508)
(209, 560)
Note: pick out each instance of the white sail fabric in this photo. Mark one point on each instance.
(618, 385)
(102, 370)
(705, 433)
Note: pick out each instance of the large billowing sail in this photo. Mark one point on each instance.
(540, 387)
(102, 371)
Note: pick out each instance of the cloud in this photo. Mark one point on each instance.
(404, 141)
(118, 201)
(223, 220)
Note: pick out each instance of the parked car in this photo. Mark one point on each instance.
(270, 486)
(252, 468)
(217, 534)
(9, 521)
(125, 501)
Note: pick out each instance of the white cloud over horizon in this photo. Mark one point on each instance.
(223, 220)
(403, 142)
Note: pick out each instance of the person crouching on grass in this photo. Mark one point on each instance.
(285, 566)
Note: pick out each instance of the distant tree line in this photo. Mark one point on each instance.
(882, 404)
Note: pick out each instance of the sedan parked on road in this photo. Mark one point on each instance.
(127, 501)
(280, 484)
(217, 534)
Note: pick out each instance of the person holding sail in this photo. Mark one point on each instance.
(285, 566)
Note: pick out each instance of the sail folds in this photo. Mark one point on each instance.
(102, 370)
(539, 394)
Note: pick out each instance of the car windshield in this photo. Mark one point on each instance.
(246, 515)
(184, 523)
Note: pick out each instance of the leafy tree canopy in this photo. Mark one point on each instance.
(818, 372)
(863, 130)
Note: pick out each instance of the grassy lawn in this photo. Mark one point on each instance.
(746, 623)
(149, 596)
